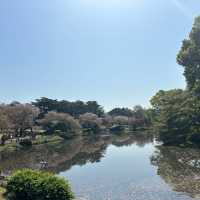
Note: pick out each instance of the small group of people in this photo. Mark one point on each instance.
(43, 164)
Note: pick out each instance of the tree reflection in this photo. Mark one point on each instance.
(179, 167)
(62, 156)
(139, 139)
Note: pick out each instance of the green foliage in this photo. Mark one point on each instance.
(35, 185)
(177, 112)
(121, 112)
(171, 119)
(45, 105)
(177, 116)
(73, 108)
(189, 58)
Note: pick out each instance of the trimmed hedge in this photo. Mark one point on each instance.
(28, 184)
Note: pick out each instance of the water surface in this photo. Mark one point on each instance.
(116, 167)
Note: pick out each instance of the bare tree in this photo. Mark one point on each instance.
(121, 120)
(91, 122)
(4, 121)
(107, 120)
(63, 122)
(22, 117)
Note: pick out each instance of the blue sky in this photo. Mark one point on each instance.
(118, 52)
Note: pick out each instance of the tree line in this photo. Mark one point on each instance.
(66, 119)
(177, 111)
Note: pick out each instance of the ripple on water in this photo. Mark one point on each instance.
(144, 190)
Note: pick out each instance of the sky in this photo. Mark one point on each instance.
(118, 52)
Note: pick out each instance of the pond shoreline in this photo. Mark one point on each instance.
(41, 139)
(89, 163)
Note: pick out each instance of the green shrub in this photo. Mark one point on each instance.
(27, 184)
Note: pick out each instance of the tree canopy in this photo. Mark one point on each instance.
(189, 58)
(75, 108)
(177, 112)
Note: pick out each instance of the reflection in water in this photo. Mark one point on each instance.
(116, 167)
(180, 168)
(62, 156)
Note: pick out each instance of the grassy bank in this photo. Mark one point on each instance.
(40, 139)
(43, 139)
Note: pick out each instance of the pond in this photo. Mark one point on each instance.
(123, 167)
